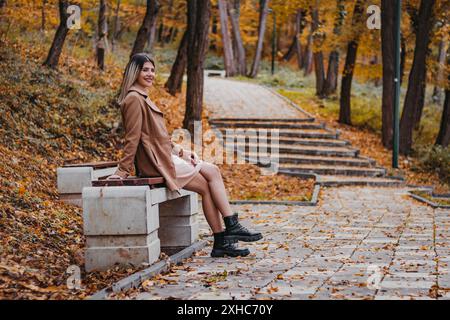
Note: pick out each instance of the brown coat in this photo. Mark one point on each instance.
(146, 140)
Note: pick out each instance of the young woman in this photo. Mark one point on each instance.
(149, 149)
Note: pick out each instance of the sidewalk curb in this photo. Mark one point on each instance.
(137, 278)
(427, 201)
(311, 203)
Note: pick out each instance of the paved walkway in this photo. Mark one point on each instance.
(358, 243)
(232, 99)
(327, 252)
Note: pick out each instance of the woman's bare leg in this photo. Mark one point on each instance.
(217, 189)
(200, 185)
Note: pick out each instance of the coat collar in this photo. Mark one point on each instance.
(138, 90)
(147, 99)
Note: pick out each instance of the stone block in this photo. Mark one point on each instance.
(184, 206)
(160, 195)
(71, 181)
(119, 211)
(121, 241)
(102, 258)
(165, 222)
(178, 236)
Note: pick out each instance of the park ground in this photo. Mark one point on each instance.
(48, 117)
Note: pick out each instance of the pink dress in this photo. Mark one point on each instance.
(185, 171)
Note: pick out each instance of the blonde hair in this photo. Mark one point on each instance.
(134, 67)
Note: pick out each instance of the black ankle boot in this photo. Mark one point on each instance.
(224, 247)
(235, 231)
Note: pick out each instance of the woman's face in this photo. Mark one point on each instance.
(147, 75)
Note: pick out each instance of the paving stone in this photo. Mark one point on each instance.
(326, 252)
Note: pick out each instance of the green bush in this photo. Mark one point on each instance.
(436, 159)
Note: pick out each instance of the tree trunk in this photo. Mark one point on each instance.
(152, 36)
(160, 32)
(346, 85)
(173, 35)
(263, 11)
(234, 12)
(116, 26)
(402, 58)
(145, 29)
(60, 36)
(43, 16)
(175, 81)
(308, 55)
(349, 67)
(199, 12)
(102, 31)
(214, 31)
(330, 85)
(331, 80)
(230, 68)
(437, 91)
(388, 55)
(416, 86)
(296, 46)
(443, 138)
(318, 55)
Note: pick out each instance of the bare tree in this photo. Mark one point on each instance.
(317, 55)
(199, 13)
(308, 54)
(414, 99)
(116, 26)
(388, 54)
(330, 85)
(437, 91)
(443, 138)
(145, 29)
(43, 15)
(60, 36)
(230, 67)
(296, 46)
(175, 81)
(238, 44)
(349, 67)
(263, 11)
(102, 35)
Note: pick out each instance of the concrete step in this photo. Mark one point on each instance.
(332, 170)
(268, 125)
(284, 133)
(260, 120)
(285, 158)
(314, 142)
(309, 141)
(337, 181)
(294, 149)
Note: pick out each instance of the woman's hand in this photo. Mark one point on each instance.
(114, 177)
(194, 158)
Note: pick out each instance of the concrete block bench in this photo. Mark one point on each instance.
(72, 178)
(214, 73)
(131, 221)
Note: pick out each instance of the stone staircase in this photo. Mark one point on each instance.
(305, 147)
